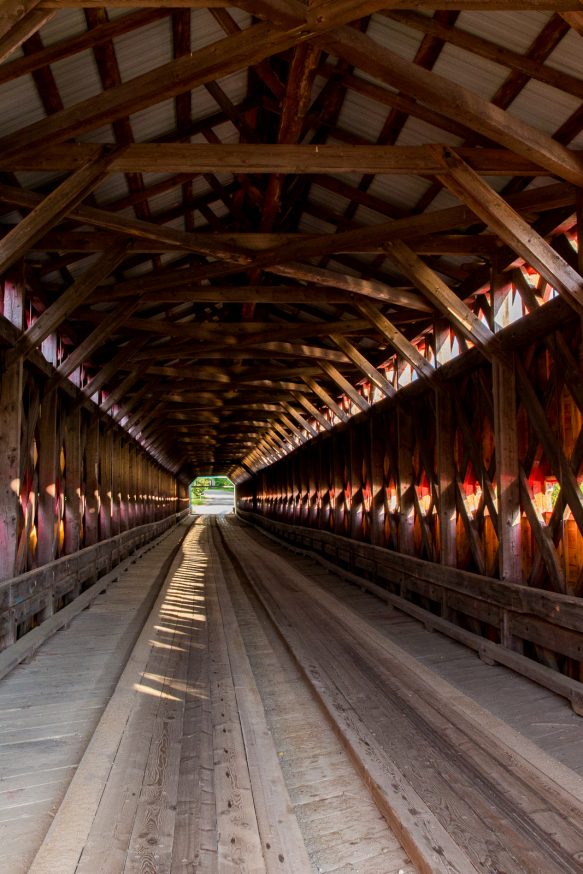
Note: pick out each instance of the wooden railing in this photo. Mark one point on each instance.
(503, 622)
(29, 599)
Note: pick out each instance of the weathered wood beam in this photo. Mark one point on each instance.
(55, 314)
(52, 209)
(11, 411)
(485, 245)
(398, 341)
(482, 5)
(183, 74)
(78, 43)
(553, 451)
(198, 158)
(120, 391)
(95, 339)
(200, 243)
(462, 181)
(326, 398)
(297, 350)
(454, 101)
(22, 30)
(314, 411)
(363, 364)
(574, 19)
(354, 285)
(125, 355)
(295, 105)
(542, 534)
(300, 419)
(12, 12)
(484, 48)
(507, 464)
(344, 385)
(443, 298)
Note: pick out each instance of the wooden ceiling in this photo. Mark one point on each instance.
(247, 221)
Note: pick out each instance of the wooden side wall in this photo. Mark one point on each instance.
(71, 476)
(481, 472)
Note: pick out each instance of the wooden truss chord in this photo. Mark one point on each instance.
(52, 208)
(462, 181)
(57, 312)
(196, 158)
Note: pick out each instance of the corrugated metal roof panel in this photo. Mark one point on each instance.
(81, 266)
(202, 103)
(568, 56)
(177, 223)
(148, 124)
(77, 78)
(366, 216)
(20, 105)
(103, 134)
(362, 116)
(329, 199)
(443, 200)
(543, 107)
(204, 30)
(34, 179)
(479, 75)
(144, 49)
(395, 36)
(111, 189)
(417, 132)
(64, 24)
(226, 132)
(10, 218)
(234, 86)
(512, 30)
(164, 201)
(401, 191)
(309, 224)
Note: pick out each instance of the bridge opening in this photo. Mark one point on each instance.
(211, 495)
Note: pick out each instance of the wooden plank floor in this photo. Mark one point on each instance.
(342, 827)
(272, 719)
(49, 707)
(184, 771)
(539, 715)
(502, 810)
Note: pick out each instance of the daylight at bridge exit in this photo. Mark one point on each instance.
(291, 436)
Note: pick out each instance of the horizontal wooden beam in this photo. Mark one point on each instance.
(199, 158)
(479, 5)
(483, 245)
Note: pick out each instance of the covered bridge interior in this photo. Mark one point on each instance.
(332, 251)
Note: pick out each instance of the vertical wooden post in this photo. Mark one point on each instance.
(406, 485)
(92, 498)
(13, 300)
(377, 454)
(47, 480)
(106, 488)
(339, 496)
(446, 477)
(10, 428)
(131, 485)
(73, 481)
(507, 479)
(124, 485)
(506, 440)
(355, 480)
(11, 389)
(115, 483)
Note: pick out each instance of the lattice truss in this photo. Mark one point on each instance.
(230, 227)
